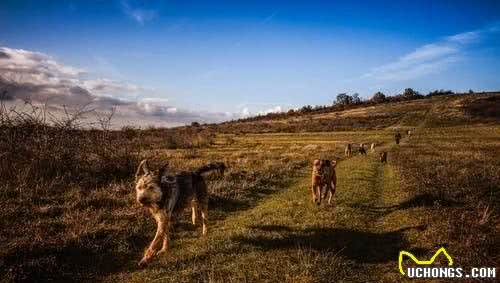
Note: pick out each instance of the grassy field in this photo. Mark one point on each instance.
(284, 237)
(439, 188)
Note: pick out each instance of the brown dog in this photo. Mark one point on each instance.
(324, 180)
(166, 196)
(383, 157)
(348, 150)
(362, 150)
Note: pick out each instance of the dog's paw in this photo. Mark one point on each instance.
(144, 261)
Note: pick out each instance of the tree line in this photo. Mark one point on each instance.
(345, 101)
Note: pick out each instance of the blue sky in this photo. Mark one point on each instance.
(239, 57)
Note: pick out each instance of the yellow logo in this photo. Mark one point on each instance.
(426, 262)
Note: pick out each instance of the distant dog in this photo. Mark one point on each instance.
(348, 150)
(362, 150)
(397, 137)
(324, 180)
(373, 147)
(408, 133)
(166, 196)
(383, 157)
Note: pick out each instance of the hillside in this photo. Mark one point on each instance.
(71, 214)
(447, 110)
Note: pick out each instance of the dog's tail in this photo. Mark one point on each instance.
(219, 166)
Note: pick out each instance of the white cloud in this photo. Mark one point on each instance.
(245, 112)
(276, 109)
(106, 86)
(155, 100)
(430, 58)
(40, 77)
(465, 37)
(37, 77)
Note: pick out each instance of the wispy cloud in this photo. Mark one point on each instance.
(270, 17)
(431, 58)
(138, 14)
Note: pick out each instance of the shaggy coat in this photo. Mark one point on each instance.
(166, 196)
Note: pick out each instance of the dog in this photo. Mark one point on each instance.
(166, 196)
(362, 150)
(348, 150)
(324, 180)
(373, 147)
(397, 137)
(383, 157)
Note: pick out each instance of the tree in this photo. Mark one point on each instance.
(378, 97)
(306, 109)
(356, 99)
(344, 99)
(440, 92)
(409, 93)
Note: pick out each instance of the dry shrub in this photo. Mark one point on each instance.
(51, 217)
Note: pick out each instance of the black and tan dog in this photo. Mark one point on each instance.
(383, 157)
(324, 180)
(362, 150)
(166, 196)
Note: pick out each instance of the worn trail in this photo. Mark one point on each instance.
(288, 238)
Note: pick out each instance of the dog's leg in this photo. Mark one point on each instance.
(166, 236)
(194, 209)
(318, 193)
(313, 188)
(329, 192)
(204, 216)
(333, 187)
(162, 222)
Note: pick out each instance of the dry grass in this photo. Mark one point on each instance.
(69, 211)
(453, 178)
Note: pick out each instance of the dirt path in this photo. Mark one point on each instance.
(288, 238)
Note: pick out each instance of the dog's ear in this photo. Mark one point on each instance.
(143, 168)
